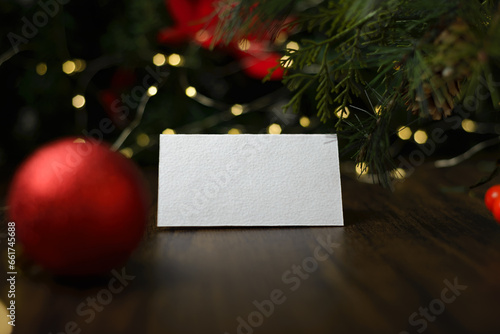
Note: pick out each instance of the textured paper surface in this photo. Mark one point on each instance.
(249, 180)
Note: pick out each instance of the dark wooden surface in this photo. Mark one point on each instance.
(392, 258)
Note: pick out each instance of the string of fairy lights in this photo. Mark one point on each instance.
(143, 140)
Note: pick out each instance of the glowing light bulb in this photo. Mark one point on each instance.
(420, 137)
(159, 59)
(41, 68)
(142, 140)
(80, 65)
(237, 109)
(398, 173)
(244, 44)
(191, 91)
(286, 62)
(404, 133)
(175, 60)
(361, 168)
(305, 121)
(127, 152)
(152, 90)
(202, 36)
(274, 129)
(292, 45)
(281, 38)
(78, 101)
(168, 131)
(469, 125)
(342, 112)
(69, 67)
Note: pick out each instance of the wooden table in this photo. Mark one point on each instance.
(425, 258)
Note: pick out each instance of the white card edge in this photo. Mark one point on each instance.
(332, 136)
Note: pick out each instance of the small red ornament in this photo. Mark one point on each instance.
(495, 209)
(79, 208)
(112, 98)
(259, 67)
(491, 195)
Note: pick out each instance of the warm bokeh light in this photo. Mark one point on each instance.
(142, 140)
(41, 68)
(469, 125)
(127, 152)
(274, 129)
(69, 67)
(202, 36)
(398, 173)
(191, 91)
(305, 121)
(361, 168)
(237, 109)
(244, 44)
(80, 65)
(404, 133)
(74, 66)
(168, 131)
(292, 45)
(78, 101)
(286, 62)
(281, 38)
(159, 59)
(234, 131)
(420, 137)
(342, 112)
(152, 90)
(175, 60)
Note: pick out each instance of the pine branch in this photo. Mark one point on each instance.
(422, 52)
(324, 89)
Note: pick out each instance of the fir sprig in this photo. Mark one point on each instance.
(413, 51)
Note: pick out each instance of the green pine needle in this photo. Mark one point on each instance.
(387, 47)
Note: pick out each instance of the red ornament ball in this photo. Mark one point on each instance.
(491, 195)
(79, 208)
(496, 210)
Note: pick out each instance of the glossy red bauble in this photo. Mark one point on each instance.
(79, 208)
(491, 195)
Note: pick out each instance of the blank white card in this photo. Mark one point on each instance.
(249, 180)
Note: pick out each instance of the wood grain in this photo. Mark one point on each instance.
(397, 253)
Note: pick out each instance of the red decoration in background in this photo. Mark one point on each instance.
(492, 201)
(256, 58)
(258, 66)
(192, 18)
(111, 98)
(79, 208)
(491, 196)
(196, 21)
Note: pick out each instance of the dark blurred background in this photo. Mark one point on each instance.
(108, 48)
